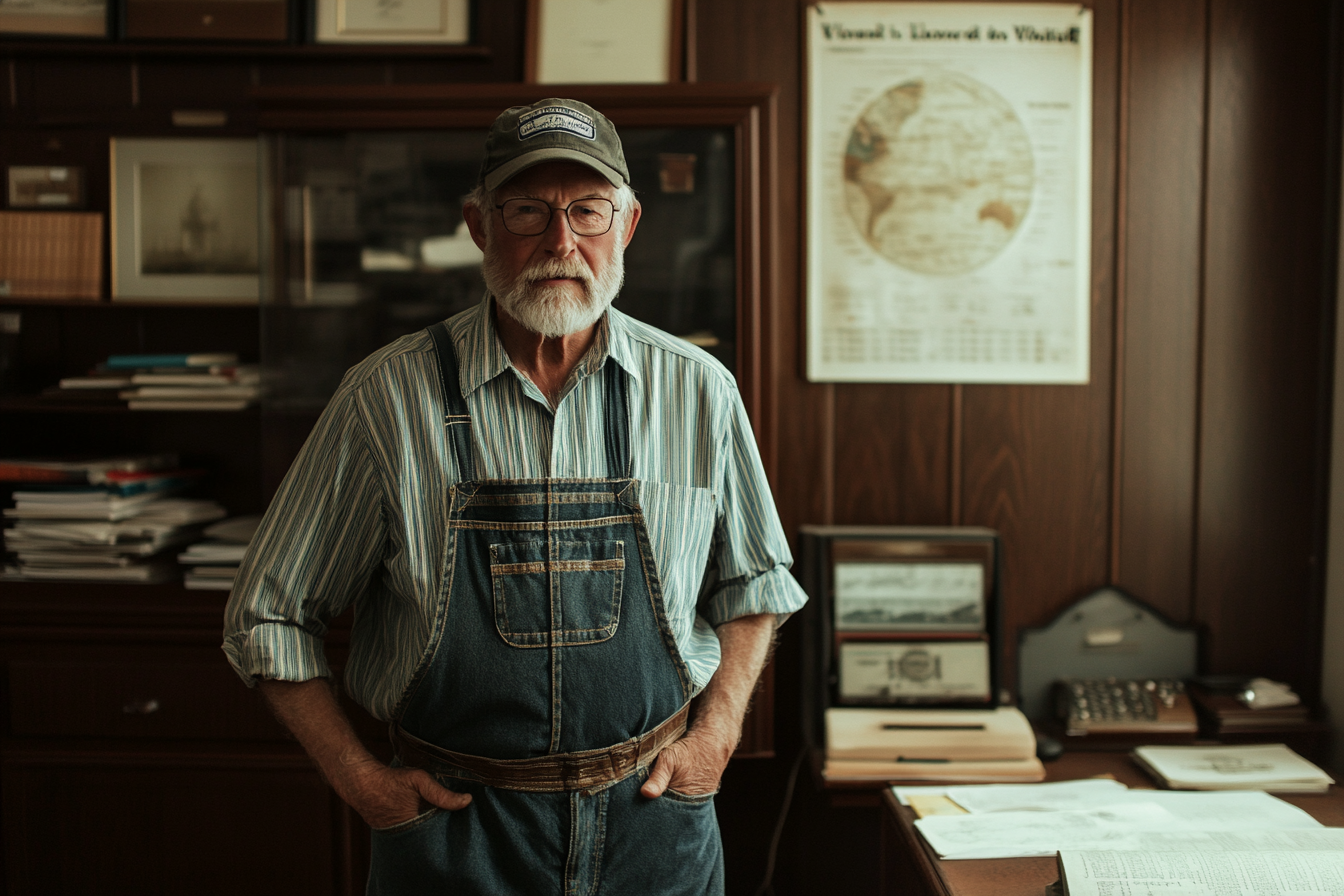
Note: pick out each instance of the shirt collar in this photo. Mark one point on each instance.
(484, 357)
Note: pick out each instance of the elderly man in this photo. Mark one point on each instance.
(564, 559)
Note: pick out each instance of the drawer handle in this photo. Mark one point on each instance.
(141, 707)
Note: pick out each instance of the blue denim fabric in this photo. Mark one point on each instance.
(553, 639)
(614, 841)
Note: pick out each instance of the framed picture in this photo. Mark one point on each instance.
(949, 189)
(184, 220)
(597, 42)
(58, 18)
(382, 22)
(46, 186)
(206, 19)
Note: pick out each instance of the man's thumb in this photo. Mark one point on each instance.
(436, 794)
(658, 778)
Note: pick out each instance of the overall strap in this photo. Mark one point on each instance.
(617, 422)
(456, 419)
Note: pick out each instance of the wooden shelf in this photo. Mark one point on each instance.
(92, 48)
(20, 302)
(35, 404)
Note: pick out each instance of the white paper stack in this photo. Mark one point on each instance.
(99, 534)
(973, 745)
(214, 562)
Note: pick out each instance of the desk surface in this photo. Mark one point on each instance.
(910, 867)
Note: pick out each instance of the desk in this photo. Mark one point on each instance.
(910, 867)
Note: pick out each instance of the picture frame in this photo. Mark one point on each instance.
(185, 220)
(46, 186)
(406, 22)
(55, 18)
(596, 42)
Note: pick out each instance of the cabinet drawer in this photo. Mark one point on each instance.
(162, 692)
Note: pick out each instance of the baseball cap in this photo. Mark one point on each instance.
(552, 130)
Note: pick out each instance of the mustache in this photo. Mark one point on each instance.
(554, 268)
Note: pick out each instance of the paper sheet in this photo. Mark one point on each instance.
(1259, 873)
(1137, 820)
(1054, 796)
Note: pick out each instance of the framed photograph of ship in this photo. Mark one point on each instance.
(184, 220)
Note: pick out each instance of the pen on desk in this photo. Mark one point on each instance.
(907, 727)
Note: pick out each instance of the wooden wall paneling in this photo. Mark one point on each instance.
(81, 85)
(209, 83)
(1270, 179)
(321, 70)
(892, 454)
(1158, 304)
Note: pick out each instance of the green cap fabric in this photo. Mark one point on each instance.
(552, 130)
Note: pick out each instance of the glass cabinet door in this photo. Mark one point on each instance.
(368, 244)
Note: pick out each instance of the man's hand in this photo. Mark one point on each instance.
(691, 765)
(382, 796)
(385, 796)
(695, 763)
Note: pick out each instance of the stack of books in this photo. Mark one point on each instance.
(213, 563)
(117, 524)
(1225, 710)
(190, 382)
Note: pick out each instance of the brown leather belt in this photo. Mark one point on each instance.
(555, 773)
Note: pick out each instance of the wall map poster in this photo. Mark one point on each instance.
(948, 197)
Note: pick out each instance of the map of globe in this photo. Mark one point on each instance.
(938, 174)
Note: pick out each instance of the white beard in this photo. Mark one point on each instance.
(554, 310)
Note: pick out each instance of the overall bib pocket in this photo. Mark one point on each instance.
(573, 597)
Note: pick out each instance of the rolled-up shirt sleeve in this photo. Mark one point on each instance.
(751, 558)
(316, 547)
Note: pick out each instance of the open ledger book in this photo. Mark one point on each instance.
(1257, 873)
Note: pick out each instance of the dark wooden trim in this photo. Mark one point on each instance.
(183, 49)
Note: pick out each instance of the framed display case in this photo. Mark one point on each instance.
(367, 242)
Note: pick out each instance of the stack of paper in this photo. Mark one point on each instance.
(1233, 767)
(1008, 820)
(93, 470)
(118, 530)
(214, 562)
(188, 382)
(1255, 872)
(973, 745)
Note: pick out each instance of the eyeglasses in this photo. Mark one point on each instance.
(531, 217)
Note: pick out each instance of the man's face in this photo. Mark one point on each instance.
(557, 282)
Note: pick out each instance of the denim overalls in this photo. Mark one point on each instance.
(553, 639)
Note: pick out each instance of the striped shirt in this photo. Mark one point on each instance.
(359, 518)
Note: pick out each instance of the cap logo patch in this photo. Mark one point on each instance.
(555, 118)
